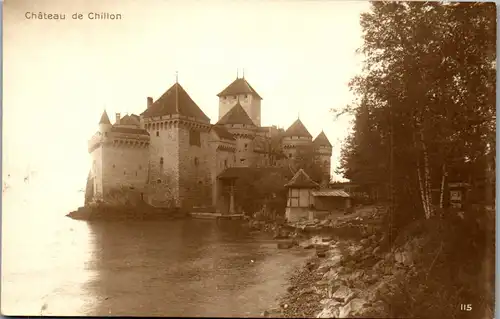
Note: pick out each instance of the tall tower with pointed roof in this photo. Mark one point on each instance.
(180, 150)
(241, 91)
(239, 124)
(295, 136)
(323, 149)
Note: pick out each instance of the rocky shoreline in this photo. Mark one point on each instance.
(358, 271)
(349, 275)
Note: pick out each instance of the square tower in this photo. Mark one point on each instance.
(240, 91)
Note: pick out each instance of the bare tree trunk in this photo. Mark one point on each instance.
(427, 179)
(422, 176)
(441, 194)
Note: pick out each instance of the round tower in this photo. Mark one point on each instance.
(104, 123)
(323, 149)
(295, 137)
(241, 126)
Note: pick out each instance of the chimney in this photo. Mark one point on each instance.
(117, 119)
(150, 101)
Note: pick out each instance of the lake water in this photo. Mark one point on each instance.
(166, 268)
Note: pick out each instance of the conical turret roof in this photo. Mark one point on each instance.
(298, 129)
(104, 118)
(322, 140)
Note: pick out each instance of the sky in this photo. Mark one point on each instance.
(59, 76)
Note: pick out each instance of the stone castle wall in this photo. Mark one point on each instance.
(96, 173)
(124, 166)
(195, 183)
(164, 166)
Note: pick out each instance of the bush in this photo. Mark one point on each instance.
(454, 261)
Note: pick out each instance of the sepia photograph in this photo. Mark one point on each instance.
(272, 159)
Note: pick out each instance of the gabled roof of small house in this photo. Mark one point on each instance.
(222, 132)
(175, 101)
(239, 86)
(236, 115)
(297, 129)
(301, 180)
(104, 118)
(322, 140)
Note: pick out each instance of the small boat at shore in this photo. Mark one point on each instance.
(199, 215)
(216, 216)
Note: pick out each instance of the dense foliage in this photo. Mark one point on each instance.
(425, 116)
(425, 108)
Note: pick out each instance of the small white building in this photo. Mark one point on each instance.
(300, 200)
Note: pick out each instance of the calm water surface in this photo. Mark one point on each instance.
(166, 268)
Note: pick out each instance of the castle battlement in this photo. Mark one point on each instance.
(172, 155)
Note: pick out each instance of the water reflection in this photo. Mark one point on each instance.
(170, 268)
(184, 268)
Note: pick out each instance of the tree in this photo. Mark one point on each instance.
(306, 159)
(425, 115)
(262, 186)
(429, 85)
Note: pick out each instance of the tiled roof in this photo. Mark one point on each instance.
(130, 120)
(236, 115)
(104, 118)
(129, 130)
(239, 86)
(322, 140)
(168, 102)
(301, 180)
(297, 129)
(222, 132)
(331, 193)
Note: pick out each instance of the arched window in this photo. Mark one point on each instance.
(161, 160)
(196, 161)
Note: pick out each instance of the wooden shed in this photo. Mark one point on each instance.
(300, 201)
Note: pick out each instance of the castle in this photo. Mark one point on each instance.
(172, 156)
